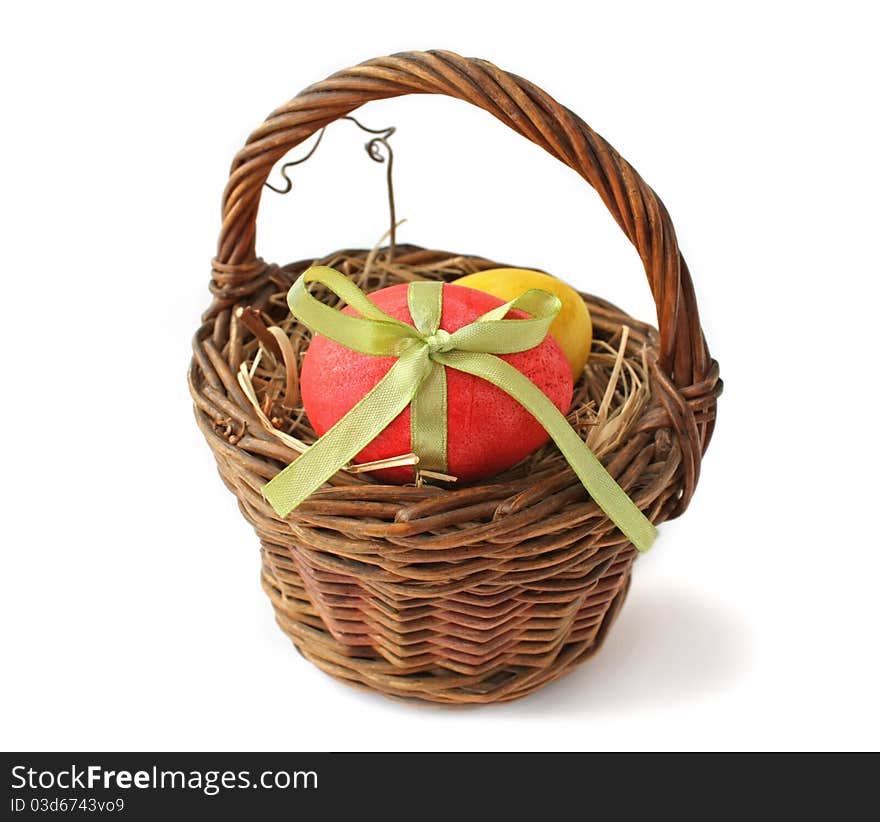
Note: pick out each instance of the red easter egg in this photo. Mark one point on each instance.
(487, 430)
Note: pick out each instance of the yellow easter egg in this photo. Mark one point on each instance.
(572, 328)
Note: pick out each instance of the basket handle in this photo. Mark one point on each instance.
(520, 105)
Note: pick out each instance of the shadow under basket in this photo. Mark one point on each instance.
(473, 594)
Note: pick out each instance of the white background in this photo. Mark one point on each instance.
(131, 608)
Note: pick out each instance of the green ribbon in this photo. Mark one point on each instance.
(418, 379)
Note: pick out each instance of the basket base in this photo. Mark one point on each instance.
(298, 613)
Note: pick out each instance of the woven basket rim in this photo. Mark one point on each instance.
(520, 478)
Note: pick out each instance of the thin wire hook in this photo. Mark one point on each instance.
(290, 163)
(373, 148)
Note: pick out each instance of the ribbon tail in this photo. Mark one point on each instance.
(351, 434)
(428, 421)
(605, 492)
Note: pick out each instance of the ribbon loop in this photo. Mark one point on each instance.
(418, 379)
(374, 332)
(492, 334)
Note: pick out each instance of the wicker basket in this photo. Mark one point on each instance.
(482, 593)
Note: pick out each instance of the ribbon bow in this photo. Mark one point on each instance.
(418, 378)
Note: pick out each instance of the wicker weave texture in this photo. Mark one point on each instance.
(475, 594)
